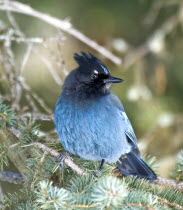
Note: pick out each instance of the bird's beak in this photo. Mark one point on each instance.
(112, 80)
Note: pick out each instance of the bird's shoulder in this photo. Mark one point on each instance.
(115, 101)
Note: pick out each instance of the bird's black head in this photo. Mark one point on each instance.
(91, 77)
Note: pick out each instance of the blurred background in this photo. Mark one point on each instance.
(147, 36)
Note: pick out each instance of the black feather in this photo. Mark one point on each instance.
(131, 164)
(86, 56)
(89, 61)
(84, 59)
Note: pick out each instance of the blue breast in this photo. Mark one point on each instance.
(92, 129)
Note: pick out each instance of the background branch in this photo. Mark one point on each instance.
(64, 25)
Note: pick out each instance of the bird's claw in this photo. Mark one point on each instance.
(61, 159)
(96, 173)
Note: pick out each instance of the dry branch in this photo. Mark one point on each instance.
(64, 25)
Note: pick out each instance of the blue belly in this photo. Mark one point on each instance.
(93, 130)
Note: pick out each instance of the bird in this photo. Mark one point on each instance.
(91, 121)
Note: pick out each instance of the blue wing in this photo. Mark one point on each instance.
(126, 123)
(128, 128)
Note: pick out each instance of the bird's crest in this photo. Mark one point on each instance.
(89, 60)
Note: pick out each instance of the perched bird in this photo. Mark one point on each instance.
(91, 121)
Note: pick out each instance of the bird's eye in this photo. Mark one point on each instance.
(95, 74)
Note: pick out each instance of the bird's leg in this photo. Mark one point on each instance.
(101, 164)
(96, 173)
(61, 159)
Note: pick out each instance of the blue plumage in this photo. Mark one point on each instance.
(93, 130)
(91, 122)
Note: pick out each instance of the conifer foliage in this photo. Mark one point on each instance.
(46, 186)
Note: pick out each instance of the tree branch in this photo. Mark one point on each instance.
(12, 177)
(169, 183)
(64, 25)
(68, 161)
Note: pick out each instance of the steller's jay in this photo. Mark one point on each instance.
(91, 121)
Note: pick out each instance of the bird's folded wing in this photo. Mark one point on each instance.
(128, 128)
(126, 122)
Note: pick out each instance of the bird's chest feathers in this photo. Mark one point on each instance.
(85, 115)
(88, 119)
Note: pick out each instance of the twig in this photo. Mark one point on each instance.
(64, 25)
(165, 201)
(9, 148)
(16, 102)
(38, 167)
(80, 205)
(60, 61)
(33, 40)
(169, 182)
(49, 66)
(57, 57)
(34, 95)
(31, 102)
(36, 117)
(14, 131)
(8, 63)
(1, 196)
(12, 177)
(12, 20)
(25, 57)
(68, 161)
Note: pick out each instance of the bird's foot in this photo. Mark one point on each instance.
(61, 159)
(96, 173)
